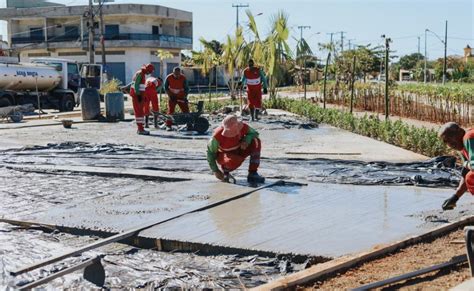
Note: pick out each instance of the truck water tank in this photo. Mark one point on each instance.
(90, 104)
(25, 77)
(114, 106)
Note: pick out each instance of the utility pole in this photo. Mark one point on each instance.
(331, 34)
(445, 64)
(342, 40)
(350, 42)
(302, 27)
(102, 36)
(91, 33)
(237, 7)
(326, 78)
(387, 50)
(418, 45)
(426, 59)
(352, 82)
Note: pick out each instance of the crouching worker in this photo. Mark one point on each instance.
(152, 87)
(230, 145)
(463, 141)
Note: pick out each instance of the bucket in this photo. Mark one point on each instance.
(67, 123)
(114, 106)
(90, 104)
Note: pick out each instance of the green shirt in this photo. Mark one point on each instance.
(213, 148)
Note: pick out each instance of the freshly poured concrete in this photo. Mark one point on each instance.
(320, 219)
(120, 212)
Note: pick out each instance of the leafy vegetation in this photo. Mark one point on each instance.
(427, 102)
(110, 86)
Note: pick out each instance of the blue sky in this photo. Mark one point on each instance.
(364, 21)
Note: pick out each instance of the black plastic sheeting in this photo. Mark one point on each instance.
(437, 172)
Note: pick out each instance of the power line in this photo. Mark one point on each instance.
(237, 9)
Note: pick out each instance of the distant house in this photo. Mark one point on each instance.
(468, 56)
(405, 75)
(132, 34)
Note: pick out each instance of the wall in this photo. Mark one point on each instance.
(134, 58)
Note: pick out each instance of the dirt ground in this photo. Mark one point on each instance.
(407, 260)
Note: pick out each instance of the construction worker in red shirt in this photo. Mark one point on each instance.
(230, 145)
(152, 87)
(176, 86)
(463, 141)
(137, 91)
(254, 78)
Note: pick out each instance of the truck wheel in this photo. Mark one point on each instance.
(67, 103)
(201, 125)
(5, 101)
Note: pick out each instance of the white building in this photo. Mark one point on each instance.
(133, 33)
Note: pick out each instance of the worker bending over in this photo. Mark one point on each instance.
(176, 86)
(137, 91)
(463, 141)
(254, 78)
(230, 145)
(152, 87)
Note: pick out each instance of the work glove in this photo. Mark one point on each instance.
(450, 203)
(265, 91)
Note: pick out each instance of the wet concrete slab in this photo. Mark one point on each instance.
(324, 220)
(124, 210)
(320, 219)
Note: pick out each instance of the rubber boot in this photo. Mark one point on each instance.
(257, 111)
(155, 120)
(143, 132)
(147, 119)
(252, 114)
(255, 178)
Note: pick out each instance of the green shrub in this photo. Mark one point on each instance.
(110, 87)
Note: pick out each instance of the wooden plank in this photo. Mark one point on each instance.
(343, 263)
(133, 232)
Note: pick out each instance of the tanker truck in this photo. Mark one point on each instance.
(54, 82)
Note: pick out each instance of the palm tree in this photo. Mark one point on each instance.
(273, 52)
(234, 58)
(163, 55)
(209, 59)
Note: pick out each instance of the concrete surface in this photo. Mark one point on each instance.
(320, 219)
(124, 210)
(323, 142)
(317, 220)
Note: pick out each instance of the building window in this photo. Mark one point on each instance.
(72, 31)
(36, 33)
(71, 54)
(112, 53)
(155, 30)
(112, 31)
(39, 55)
